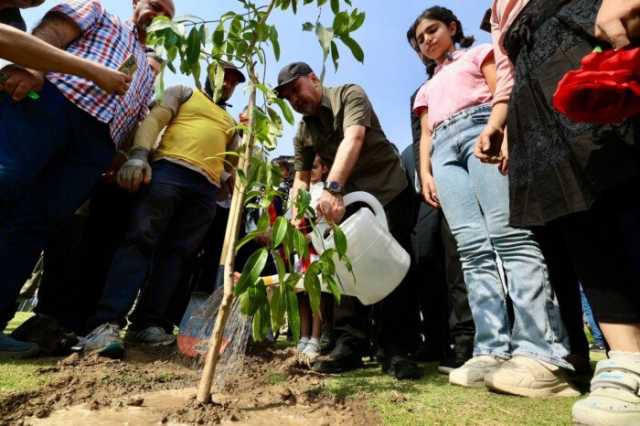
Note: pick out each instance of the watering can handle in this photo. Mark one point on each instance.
(371, 201)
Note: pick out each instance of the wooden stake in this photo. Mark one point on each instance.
(231, 236)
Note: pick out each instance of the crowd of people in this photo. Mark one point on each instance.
(515, 217)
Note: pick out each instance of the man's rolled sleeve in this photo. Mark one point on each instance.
(357, 108)
(85, 13)
(304, 152)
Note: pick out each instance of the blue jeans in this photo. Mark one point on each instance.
(475, 201)
(168, 223)
(52, 155)
(596, 333)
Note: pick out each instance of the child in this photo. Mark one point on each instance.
(528, 358)
(311, 323)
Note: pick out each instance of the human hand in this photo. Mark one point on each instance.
(429, 192)
(109, 80)
(18, 81)
(331, 207)
(135, 171)
(488, 147)
(612, 22)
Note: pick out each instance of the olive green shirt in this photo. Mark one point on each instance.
(378, 169)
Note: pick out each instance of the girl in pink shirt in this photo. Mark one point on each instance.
(454, 106)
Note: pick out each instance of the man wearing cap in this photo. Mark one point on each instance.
(340, 125)
(175, 207)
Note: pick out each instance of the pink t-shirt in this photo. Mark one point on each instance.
(456, 85)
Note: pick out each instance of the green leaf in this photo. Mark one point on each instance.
(355, 48)
(341, 24)
(252, 270)
(285, 109)
(307, 26)
(357, 19)
(246, 240)
(279, 231)
(258, 324)
(333, 287)
(252, 299)
(340, 241)
(335, 55)
(218, 35)
(277, 310)
(293, 314)
(312, 286)
(300, 243)
(321, 2)
(335, 6)
(263, 222)
(275, 44)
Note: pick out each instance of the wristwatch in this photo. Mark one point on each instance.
(334, 187)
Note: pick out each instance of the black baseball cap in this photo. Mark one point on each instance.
(229, 66)
(290, 73)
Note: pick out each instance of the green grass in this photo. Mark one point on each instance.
(432, 401)
(21, 375)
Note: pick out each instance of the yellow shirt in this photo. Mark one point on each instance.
(198, 136)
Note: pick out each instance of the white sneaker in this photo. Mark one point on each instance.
(153, 336)
(312, 351)
(615, 393)
(105, 341)
(472, 372)
(530, 377)
(302, 343)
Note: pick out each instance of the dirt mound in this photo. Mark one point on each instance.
(271, 390)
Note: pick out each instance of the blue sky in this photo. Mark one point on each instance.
(390, 73)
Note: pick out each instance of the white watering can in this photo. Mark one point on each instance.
(379, 262)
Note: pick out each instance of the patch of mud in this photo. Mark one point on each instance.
(273, 389)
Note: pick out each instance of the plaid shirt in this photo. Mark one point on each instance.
(109, 41)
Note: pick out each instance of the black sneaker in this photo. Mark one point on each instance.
(451, 362)
(340, 360)
(402, 368)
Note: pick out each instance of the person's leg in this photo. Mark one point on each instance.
(396, 315)
(57, 182)
(149, 219)
(465, 218)
(539, 342)
(486, 295)
(183, 237)
(461, 325)
(565, 284)
(430, 284)
(605, 244)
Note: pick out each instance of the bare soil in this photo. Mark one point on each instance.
(157, 386)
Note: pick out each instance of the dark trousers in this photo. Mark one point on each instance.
(167, 225)
(395, 316)
(430, 278)
(461, 325)
(565, 284)
(52, 154)
(603, 244)
(78, 256)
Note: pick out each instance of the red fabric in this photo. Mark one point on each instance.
(605, 89)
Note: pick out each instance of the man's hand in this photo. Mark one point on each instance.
(109, 80)
(429, 191)
(135, 171)
(18, 82)
(612, 21)
(331, 207)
